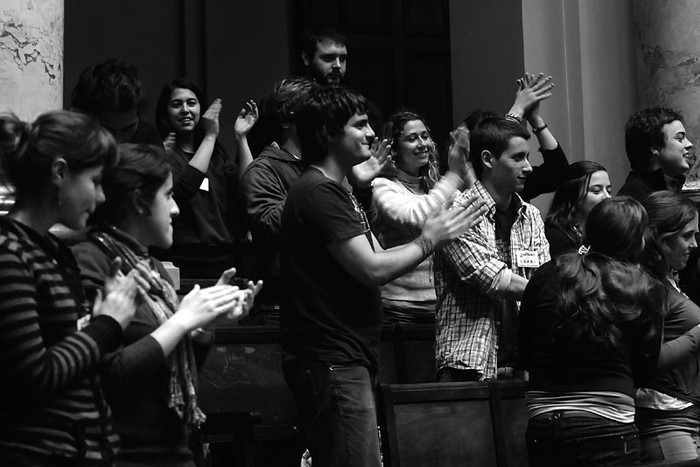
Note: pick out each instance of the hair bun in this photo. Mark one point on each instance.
(12, 132)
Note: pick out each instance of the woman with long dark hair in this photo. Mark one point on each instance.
(205, 179)
(582, 185)
(52, 410)
(668, 406)
(589, 331)
(151, 382)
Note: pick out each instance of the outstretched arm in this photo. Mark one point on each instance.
(374, 268)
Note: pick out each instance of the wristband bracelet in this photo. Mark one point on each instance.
(512, 116)
(537, 130)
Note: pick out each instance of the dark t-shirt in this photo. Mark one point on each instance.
(328, 315)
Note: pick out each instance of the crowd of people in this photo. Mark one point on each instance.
(355, 223)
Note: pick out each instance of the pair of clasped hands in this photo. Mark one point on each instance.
(201, 309)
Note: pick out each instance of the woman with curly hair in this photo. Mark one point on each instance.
(404, 198)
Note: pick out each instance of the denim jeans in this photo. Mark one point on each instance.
(669, 435)
(337, 414)
(557, 439)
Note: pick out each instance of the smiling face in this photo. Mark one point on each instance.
(413, 147)
(598, 189)
(158, 225)
(680, 245)
(184, 110)
(508, 172)
(673, 155)
(329, 62)
(80, 193)
(353, 145)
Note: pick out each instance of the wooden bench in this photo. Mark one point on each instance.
(243, 375)
(454, 424)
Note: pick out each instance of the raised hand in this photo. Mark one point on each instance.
(458, 156)
(210, 119)
(246, 119)
(531, 91)
(170, 141)
(362, 174)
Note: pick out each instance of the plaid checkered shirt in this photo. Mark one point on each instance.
(470, 277)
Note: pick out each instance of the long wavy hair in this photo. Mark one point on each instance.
(669, 213)
(605, 298)
(392, 130)
(571, 191)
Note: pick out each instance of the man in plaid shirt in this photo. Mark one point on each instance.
(480, 277)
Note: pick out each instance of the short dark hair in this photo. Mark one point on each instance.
(162, 120)
(281, 105)
(317, 34)
(644, 132)
(493, 135)
(112, 85)
(141, 167)
(325, 113)
(477, 116)
(27, 150)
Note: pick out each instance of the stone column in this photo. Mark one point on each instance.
(668, 64)
(31, 63)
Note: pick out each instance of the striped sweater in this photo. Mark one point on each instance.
(51, 405)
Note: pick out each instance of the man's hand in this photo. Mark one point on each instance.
(362, 174)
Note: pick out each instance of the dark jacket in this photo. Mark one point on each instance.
(639, 185)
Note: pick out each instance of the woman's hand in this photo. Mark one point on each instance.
(246, 301)
(226, 276)
(458, 156)
(444, 225)
(170, 141)
(119, 300)
(531, 91)
(210, 119)
(246, 119)
(202, 306)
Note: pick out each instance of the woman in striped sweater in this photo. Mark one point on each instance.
(52, 410)
(404, 199)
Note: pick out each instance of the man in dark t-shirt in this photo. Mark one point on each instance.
(332, 266)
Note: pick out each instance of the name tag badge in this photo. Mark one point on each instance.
(83, 321)
(205, 184)
(527, 259)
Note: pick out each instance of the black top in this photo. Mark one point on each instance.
(545, 178)
(553, 367)
(329, 316)
(639, 185)
(560, 241)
